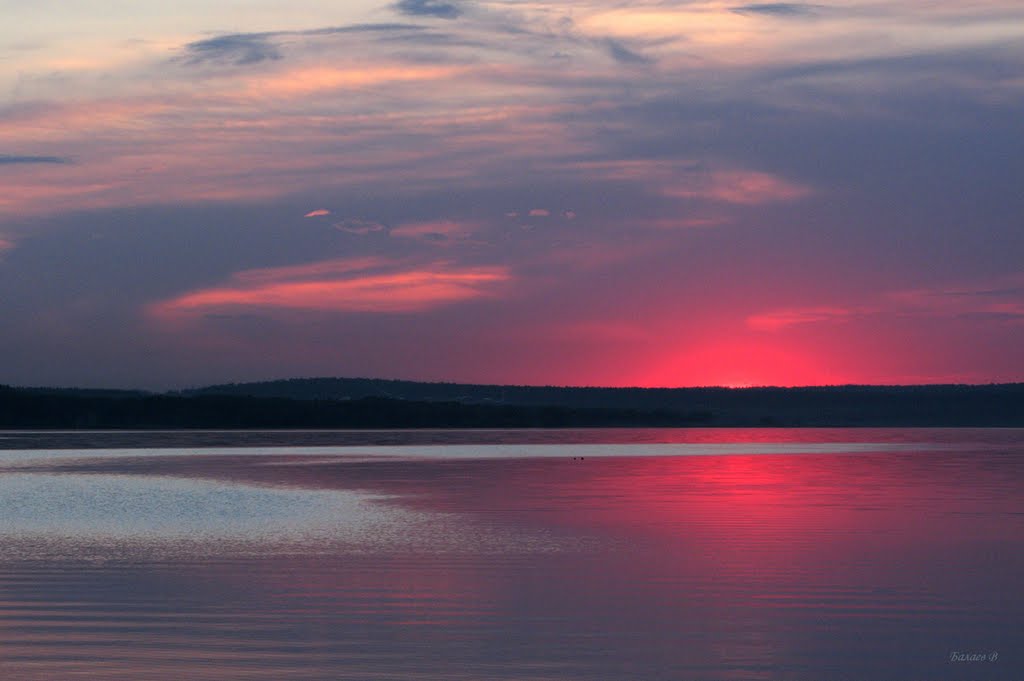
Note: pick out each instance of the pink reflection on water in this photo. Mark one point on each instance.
(864, 566)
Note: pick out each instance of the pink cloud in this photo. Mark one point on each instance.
(738, 186)
(440, 229)
(319, 212)
(357, 226)
(540, 213)
(1002, 298)
(339, 267)
(308, 80)
(686, 223)
(999, 299)
(225, 150)
(345, 285)
(775, 320)
(694, 181)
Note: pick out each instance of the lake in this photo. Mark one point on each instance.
(689, 554)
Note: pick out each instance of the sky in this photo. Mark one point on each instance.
(602, 192)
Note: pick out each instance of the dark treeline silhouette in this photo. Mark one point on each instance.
(373, 403)
(51, 408)
(849, 405)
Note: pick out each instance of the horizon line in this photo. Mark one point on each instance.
(517, 386)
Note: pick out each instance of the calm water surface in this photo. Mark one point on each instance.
(816, 555)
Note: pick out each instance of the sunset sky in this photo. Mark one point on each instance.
(600, 192)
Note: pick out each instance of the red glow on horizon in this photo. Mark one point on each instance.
(741, 363)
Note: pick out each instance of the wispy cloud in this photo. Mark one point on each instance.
(682, 179)
(738, 186)
(437, 231)
(694, 222)
(357, 226)
(999, 300)
(238, 49)
(779, 9)
(428, 8)
(776, 320)
(252, 48)
(303, 81)
(319, 212)
(10, 159)
(346, 285)
(622, 54)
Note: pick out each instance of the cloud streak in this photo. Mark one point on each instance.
(435, 231)
(357, 226)
(689, 180)
(622, 54)
(347, 285)
(11, 160)
(777, 320)
(996, 300)
(241, 49)
(779, 9)
(438, 9)
(1001, 300)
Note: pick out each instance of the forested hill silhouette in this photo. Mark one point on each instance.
(53, 408)
(849, 405)
(378, 403)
